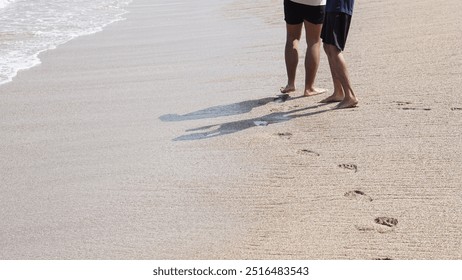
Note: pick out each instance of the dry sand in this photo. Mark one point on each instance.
(139, 142)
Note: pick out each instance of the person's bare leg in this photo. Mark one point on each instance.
(294, 33)
(339, 68)
(313, 41)
(338, 93)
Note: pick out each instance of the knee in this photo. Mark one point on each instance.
(313, 43)
(330, 50)
(312, 40)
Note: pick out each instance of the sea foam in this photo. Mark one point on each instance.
(28, 28)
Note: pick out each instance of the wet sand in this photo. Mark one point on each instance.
(141, 142)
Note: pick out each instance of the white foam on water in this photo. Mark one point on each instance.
(3, 3)
(28, 28)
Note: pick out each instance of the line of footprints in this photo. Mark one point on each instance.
(384, 224)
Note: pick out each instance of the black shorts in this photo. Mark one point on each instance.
(335, 29)
(295, 13)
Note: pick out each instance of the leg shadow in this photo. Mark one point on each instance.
(211, 131)
(218, 111)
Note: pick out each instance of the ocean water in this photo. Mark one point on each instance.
(29, 27)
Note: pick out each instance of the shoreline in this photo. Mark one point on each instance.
(125, 145)
(37, 40)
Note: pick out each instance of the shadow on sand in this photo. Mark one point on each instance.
(210, 131)
(218, 111)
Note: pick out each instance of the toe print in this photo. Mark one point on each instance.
(349, 166)
(386, 221)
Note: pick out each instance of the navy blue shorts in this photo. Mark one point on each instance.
(335, 29)
(295, 13)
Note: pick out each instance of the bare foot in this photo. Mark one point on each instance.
(287, 89)
(335, 97)
(349, 103)
(314, 91)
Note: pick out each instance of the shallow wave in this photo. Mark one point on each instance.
(28, 28)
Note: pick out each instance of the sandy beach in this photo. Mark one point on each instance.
(158, 138)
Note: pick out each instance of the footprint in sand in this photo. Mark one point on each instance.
(358, 195)
(284, 135)
(382, 225)
(349, 166)
(414, 109)
(386, 221)
(402, 103)
(308, 152)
